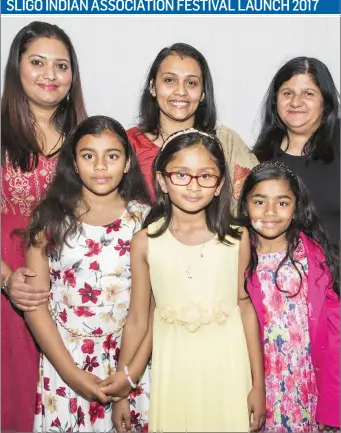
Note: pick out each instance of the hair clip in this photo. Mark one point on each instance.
(274, 164)
(184, 132)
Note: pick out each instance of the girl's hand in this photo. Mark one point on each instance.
(323, 427)
(256, 407)
(23, 295)
(121, 416)
(85, 384)
(116, 385)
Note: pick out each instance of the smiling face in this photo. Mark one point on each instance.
(101, 163)
(271, 206)
(45, 72)
(300, 104)
(196, 161)
(178, 89)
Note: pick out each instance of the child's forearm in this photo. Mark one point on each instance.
(132, 338)
(136, 346)
(6, 271)
(48, 338)
(138, 364)
(252, 335)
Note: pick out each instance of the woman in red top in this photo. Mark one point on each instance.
(178, 94)
(41, 102)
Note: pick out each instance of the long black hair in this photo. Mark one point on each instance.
(305, 221)
(19, 141)
(218, 213)
(56, 214)
(149, 112)
(273, 130)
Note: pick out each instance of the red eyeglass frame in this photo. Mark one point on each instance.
(169, 175)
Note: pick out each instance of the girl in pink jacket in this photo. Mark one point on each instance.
(293, 281)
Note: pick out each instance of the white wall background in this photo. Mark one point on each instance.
(243, 53)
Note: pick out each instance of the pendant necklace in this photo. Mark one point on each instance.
(189, 267)
(162, 137)
(163, 140)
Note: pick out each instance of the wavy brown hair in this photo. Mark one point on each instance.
(19, 141)
(56, 215)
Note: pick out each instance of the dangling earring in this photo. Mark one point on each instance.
(68, 97)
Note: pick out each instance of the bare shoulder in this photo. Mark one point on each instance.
(140, 241)
(245, 239)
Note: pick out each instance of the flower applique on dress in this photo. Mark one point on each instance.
(194, 315)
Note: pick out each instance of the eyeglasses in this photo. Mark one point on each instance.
(204, 180)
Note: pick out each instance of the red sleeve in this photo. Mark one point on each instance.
(132, 137)
(145, 152)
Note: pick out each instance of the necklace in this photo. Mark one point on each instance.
(51, 152)
(162, 137)
(189, 267)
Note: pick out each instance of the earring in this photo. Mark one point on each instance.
(68, 97)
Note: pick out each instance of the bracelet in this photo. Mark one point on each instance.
(129, 379)
(4, 285)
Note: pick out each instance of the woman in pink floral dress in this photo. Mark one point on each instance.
(293, 281)
(41, 101)
(79, 241)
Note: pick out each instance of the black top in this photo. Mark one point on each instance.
(323, 183)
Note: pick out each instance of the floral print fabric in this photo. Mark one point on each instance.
(89, 301)
(291, 393)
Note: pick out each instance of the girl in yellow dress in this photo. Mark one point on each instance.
(188, 283)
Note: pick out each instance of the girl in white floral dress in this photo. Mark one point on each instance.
(79, 243)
